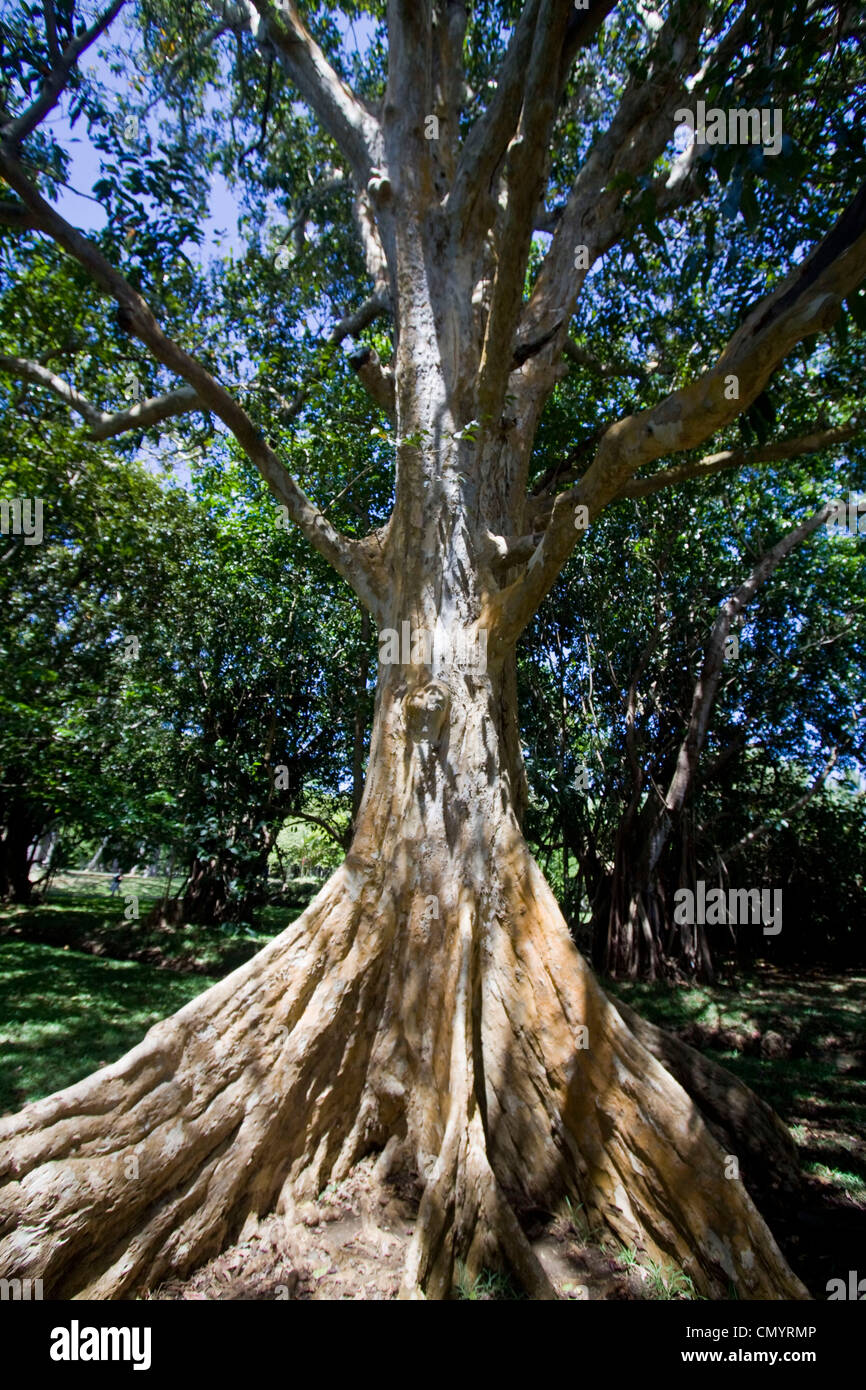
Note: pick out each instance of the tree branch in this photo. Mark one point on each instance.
(13, 132)
(105, 425)
(377, 379)
(340, 112)
(371, 241)
(707, 685)
(449, 36)
(807, 302)
(789, 811)
(354, 560)
(28, 370)
(471, 201)
(18, 216)
(742, 458)
(347, 327)
(485, 145)
(524, 181)
(638, 132)
(323, 825)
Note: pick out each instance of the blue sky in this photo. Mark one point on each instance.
(76, 203)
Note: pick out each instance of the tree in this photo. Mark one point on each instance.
(648, 718)
(81, 617)
(638, 919)
(430, 1003)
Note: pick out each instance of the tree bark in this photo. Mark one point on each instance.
(429, 1000)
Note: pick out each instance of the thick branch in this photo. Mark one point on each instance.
(28, 370)
(449, 36)
(485, 145)
(540, 503)
(471, 197)
(374, 251)
(354, 560)
(525, 176)
(501, 552)
(377, 379)
(638, 133)
(807, 302)
(21, 218)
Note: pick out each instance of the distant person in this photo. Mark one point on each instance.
(115, 884)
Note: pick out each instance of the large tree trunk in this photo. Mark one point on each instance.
(429, 1000)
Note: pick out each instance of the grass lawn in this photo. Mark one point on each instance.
(796, 1037)
(80, 985)
(63, 1014)
(816, 1084)
(80, 913)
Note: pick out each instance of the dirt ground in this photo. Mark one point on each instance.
(353, 1242)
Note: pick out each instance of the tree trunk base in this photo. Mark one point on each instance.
(457, 1030)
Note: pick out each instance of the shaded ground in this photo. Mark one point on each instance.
(798, 1039)
(353, 1242)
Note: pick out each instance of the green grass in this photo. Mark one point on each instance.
(80, 913)
(818, 1089)
(665, 1282)
(80, 985)
(852, 1183)
(65, 1014)
(489, 1286)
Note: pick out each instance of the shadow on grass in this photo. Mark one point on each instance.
(81, 914)
(64, 1015)
(797, 1039)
